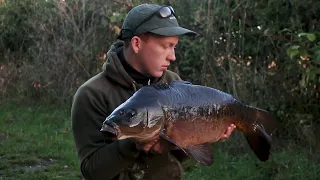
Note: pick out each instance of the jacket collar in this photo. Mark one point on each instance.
(114, 70)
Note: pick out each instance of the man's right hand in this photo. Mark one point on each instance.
(150, 144)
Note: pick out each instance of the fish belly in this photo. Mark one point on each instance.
(197, 130)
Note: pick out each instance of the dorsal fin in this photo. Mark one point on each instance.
(164, 86)
(180, 82)
(161, 86)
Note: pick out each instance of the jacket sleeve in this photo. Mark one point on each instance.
(100, 157)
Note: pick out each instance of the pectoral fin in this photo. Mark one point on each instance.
(175, 145)
(202, 153)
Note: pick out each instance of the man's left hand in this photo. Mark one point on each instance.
(228, 132)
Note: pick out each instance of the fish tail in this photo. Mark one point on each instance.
(260, 128)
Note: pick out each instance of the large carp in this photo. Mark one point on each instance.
(191, 117)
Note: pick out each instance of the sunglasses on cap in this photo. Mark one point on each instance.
(164, 12)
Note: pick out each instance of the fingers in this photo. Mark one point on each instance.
(147, 145)
(157, 147)
(228, 132)
(153, 144)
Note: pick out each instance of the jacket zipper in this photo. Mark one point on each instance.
(135, 87)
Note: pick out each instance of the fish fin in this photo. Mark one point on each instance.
(175, 145)
(259, 135)
(181, 82)
(260, 143)
(266, 121)
(202, 153)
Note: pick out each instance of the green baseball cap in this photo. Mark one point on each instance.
(160, 20)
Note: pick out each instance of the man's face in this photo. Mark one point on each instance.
(156, 54)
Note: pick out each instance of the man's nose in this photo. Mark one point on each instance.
(172, 56)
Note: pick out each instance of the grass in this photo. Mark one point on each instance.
(36, 143)
(293, 164)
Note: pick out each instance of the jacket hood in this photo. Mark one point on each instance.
(115, 71)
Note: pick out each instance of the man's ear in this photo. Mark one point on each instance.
(136, 44)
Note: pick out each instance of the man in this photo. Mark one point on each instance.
(150, 34)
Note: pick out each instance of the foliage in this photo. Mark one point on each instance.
(56, 44)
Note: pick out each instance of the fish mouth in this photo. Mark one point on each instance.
(111, 128)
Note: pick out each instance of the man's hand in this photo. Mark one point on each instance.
(228, 132)
(150, 144)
